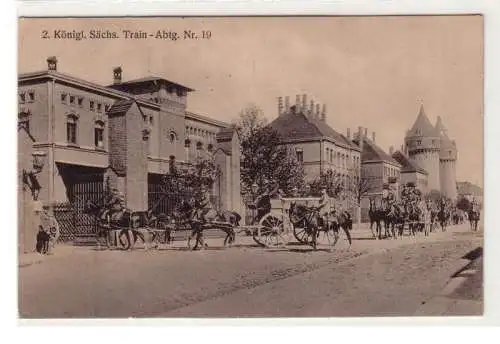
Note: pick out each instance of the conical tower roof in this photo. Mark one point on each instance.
(446, 143)
(422, 126)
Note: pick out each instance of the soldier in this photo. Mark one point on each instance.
(202, 205)
(325, 211)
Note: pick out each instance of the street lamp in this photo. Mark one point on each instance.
(29, 175)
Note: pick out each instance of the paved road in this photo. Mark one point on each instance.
(388, 277)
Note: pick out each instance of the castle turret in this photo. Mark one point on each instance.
(447, 161)
(422, 144)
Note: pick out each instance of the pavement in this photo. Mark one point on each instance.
(372, 277)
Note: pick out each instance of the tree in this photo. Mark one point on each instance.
(250, 120)
(265, 158)
(360, 187)
(203, 172)
(332, 181)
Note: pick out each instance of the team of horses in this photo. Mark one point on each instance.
(137, 225)
(392, 218)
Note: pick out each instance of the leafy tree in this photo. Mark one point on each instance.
(250, 120)
(332, 181)
(265, 159)
(203, 172)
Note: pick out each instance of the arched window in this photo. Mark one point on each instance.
(99, 134)
(172, 136)
(210, 147)
(72, 128)
(187, 143)
(199, 146)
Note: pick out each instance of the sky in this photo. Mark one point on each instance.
(372, 72)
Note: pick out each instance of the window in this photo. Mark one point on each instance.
(92, 105)
(187, 144)
(22, 97)
(173, 136)
(210, 147)
(151, 119)
(71, 100)
(64, 97)
(71, 129)
(300, 155)
(106, 107)
(80, 101)
(99, 134)
(24, 120)
(31, 96)
(99, 107)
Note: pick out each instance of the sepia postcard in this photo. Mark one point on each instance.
(229, 167)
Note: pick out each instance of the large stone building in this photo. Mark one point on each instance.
(430, 148)
(125, 133)
(318, 147)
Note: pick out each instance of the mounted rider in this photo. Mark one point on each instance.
(202, 205)
(327, 213)
(114, 204)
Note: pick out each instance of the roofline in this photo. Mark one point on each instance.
(206, 119)
(321, 138)
(372, 161)
(153, 78)
(23, 77)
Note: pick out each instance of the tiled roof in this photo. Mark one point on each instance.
(372, 152)
(422, 126)
(298, 126)
(445, 143)
(149, 79)
(120, 106)
(407, 164)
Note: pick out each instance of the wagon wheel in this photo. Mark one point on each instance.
(270, 231)
(302, 234)
(123, 241)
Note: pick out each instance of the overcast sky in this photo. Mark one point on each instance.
(370, 71)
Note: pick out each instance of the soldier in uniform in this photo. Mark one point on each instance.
(202, 205)
(326, 214)
(113, 205)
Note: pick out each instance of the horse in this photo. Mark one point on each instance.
(474, 216)
(186, 213)
(376, 215)
(126, 221)
(309, 218)
(414, 217)
(443, 216)
(394, 220)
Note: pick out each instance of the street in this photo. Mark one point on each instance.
(371, 278)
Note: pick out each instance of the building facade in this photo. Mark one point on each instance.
(126, 133)
(411, 172)
(430, 148)
(318, 147)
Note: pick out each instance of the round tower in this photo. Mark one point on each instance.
(447, 162)
(422, 145)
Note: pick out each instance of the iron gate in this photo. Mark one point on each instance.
(73, 221)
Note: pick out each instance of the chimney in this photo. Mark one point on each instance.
(311, 108)
(304, 104)
(373, 136)
(391, 150)
(117, 75)
(366, 133)
(349, 133)
(52, 63)
(360, 138)
(287, 104)
(280, 106)
(317, 111)
(297, 103)
(323, 113)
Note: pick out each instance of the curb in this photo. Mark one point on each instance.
(442, 304)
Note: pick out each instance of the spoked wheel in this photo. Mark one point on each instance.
(302, 234)
(270, 232)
